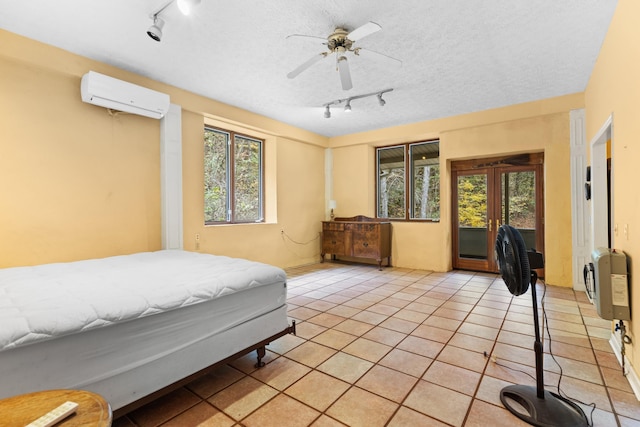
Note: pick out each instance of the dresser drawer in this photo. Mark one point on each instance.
(363, 227)
(332, 226)
(365, 245)
(333, 242)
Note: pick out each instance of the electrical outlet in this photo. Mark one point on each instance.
(626, 231)
(197, 242)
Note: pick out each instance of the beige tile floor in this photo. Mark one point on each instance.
(405, 347)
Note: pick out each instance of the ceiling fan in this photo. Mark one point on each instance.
(341, 42)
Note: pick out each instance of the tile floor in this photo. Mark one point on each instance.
(405, 347)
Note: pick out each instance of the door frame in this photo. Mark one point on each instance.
(494, 166)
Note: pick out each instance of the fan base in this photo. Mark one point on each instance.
(550, 411)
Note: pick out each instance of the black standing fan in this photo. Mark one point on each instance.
(535, 406)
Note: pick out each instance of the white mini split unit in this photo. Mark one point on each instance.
(108, 92)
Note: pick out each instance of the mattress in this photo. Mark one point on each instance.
(162, 337)
(52, 300)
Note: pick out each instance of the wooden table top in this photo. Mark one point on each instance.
(92, 410)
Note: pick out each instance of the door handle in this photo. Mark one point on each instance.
(490, 230)
(497, 224)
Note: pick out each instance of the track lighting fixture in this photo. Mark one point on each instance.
(155, 30)
(347, 101)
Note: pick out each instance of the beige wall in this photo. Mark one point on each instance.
(541, 126)
(614, 90)
(76, 182)
(79, 183)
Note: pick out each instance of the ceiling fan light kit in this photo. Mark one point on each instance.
(347, 101)
(155, 30)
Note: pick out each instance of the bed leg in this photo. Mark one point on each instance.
(261, 353)
(292, 328)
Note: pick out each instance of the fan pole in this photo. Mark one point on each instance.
(537, 346)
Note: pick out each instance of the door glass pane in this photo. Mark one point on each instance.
(472, 216)
(519, 204)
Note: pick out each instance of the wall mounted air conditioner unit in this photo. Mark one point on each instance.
(108, 92)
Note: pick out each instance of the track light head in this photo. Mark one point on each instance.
(347, 106)
(327, 112)
(186, 6)
(155, 30)
(380, 100)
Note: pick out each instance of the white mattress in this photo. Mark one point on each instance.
(52, 300)
(125, 355)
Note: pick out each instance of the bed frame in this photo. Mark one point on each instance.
(259, 347)
(157, 321)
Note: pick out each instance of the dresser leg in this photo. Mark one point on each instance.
(321, 258)
(379, 264)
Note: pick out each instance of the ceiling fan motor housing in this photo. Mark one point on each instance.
(338, 41)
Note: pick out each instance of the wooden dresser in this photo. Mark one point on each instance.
(359, 237)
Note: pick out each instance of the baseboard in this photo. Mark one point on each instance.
(632, 376)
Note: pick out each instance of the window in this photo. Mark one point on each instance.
(408, 175)
(233, 178)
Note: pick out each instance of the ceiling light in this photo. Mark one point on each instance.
(186, 6)
(347, 101)
(155, 30)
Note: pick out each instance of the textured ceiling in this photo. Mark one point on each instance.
(458, 56)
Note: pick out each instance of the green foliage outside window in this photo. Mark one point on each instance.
(216, 176)
(248, 180)
(232, 183)
(409, 175)
(472, 201)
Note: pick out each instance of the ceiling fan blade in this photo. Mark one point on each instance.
(307, 64)
(363, 31)
(345, 74)
(377, 56)
(323, 39)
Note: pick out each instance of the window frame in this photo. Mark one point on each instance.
(231, 179)
(409, 214)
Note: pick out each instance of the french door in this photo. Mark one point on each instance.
(488, 193)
